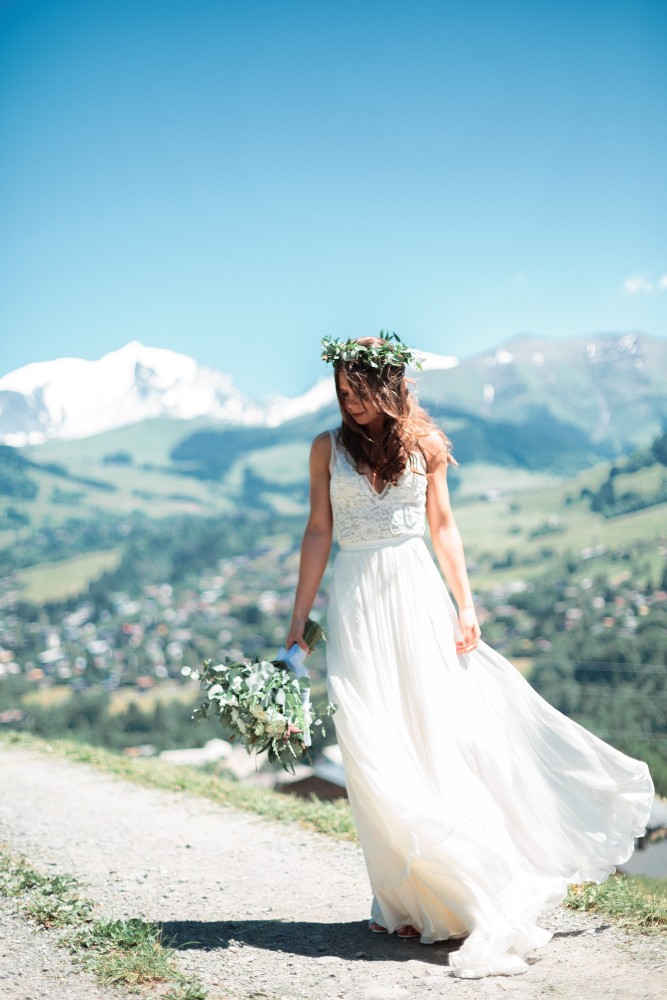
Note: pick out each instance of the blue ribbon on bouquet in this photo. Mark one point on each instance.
(295, 658)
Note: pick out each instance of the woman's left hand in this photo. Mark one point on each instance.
(470, 629)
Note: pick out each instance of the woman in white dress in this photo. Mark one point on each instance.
(475, 801)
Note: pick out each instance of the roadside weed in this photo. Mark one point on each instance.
(123, 951)
(631, 902)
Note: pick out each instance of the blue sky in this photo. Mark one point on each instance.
(235, 179)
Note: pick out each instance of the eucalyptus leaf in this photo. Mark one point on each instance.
(262, 704)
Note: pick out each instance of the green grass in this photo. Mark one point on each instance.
(120, 699)
(492, 529)
(476, 478)
(49, 900)
(118, 952)
(147, 491)
(151, 444)
(283, 464)
(157, 489)
(56, 903)
(123, 952)
(64, 578)
(638, 903)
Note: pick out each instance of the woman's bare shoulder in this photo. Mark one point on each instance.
(320, 449)
(434, 448)
(322, 442)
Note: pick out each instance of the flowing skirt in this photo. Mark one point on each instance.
(476, 802)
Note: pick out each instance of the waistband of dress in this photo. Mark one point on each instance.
(378, 543)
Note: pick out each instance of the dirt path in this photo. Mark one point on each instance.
(264, 910)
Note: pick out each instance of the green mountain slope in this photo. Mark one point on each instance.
(611, 388)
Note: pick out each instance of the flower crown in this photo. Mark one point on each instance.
(392, 351)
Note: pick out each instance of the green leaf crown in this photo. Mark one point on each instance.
(392, 351)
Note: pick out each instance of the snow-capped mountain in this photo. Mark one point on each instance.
(73, 398)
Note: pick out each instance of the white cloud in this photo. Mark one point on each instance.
(638, 284)
(663, 283)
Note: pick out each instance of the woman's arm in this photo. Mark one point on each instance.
(316, 544)
(447, 542)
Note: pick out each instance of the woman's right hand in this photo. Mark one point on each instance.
(295, 634)
(470, 630)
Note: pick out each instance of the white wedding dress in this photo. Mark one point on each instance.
(476, 802)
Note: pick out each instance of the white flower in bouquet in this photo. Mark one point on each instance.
(266, 703)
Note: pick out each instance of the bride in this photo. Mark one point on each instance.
(475, 801)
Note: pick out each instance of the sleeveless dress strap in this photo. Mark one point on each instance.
(332, 458)
(420, 462)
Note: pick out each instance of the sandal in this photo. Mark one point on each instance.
(376, 928)
(407, 932)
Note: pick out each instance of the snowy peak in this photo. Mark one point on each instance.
(74, 398)
(279, 409)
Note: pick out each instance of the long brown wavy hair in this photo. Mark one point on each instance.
(406, 423)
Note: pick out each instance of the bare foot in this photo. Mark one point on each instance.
(376, 928)
(408, 931)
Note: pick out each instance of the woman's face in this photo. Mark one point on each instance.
(362, 411)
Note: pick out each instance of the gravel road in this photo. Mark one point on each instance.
(257, 909)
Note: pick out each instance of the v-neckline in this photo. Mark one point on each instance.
(372, 488)
(365, 477)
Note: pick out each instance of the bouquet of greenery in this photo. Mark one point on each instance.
(264, 703)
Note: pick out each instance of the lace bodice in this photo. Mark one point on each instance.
(362, 515)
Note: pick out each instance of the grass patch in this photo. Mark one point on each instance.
(64, 578)
(16, 877)
(638, 903)
(120, 699)
(119, 952)
(127, 952)
(57, 903)
(48, 697)
(49, 900)
(131, 953)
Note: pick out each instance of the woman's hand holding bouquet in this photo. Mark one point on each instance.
(266, 703)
